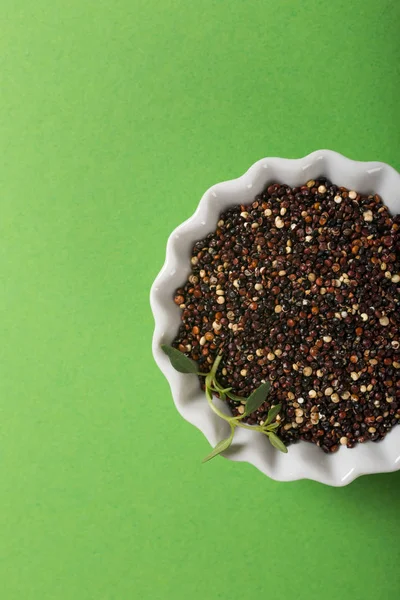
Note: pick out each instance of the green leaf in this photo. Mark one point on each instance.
(220, 447)
(257, 398)
(224, 390)
(179, 361)
(276, 442)
(271, 427)
(235, 397)
(272, 414)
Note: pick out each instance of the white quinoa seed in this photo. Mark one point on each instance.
(279, 223)
(343, 440)
(243, 372)
(338, 199)
(241, 409)
(328, 391)
(221, 300)
(312, 393)
(368, 216)
(307, 371)
(384, 321)
(364, 316)
(352, 195)
(395, 278)
(321, 189)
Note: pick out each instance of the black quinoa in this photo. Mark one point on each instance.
(301, 287)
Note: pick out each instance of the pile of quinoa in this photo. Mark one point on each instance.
(301, 288)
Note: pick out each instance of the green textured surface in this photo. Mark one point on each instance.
(115, 117)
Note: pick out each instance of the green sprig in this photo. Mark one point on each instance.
(184, 364)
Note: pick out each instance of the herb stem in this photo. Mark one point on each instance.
(215, 366)
(215, 409)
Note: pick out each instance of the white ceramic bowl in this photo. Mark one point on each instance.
(303, 460)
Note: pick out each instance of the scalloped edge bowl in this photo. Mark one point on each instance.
(303, 461)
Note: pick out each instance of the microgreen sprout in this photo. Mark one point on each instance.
(184, 364)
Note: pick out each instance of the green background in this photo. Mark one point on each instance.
(115, 117)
